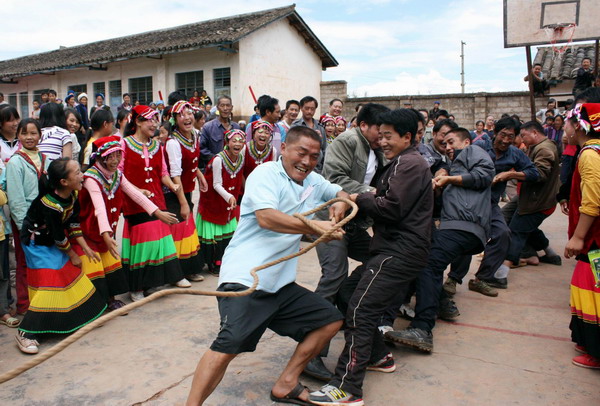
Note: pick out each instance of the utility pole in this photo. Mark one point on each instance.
(462, 65)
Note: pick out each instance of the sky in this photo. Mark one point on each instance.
(384, 47)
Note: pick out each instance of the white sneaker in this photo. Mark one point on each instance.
(136, 296)
(184, 283)
(385, 329)
(195, 277)
(26, 345)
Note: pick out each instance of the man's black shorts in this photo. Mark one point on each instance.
(293, 311)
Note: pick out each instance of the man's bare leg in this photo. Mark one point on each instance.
(309, 348)
(208, 374)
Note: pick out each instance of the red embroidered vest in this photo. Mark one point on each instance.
(253, 158)
(213, 208)
(190, 153)
(144, 172)
(113, 201)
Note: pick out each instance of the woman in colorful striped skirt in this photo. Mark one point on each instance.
(62, 298)
(260, 148)
(218, 212)
(182, 153)
(148, 251)
(101, 201)
(583, 128)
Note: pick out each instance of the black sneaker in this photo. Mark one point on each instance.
(386, 364)
(330, 395)
(551, 259)
(448, 310)
(498, 283)
(413, 337)
(317, 369)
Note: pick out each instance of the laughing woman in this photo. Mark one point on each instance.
(183, 152)
(62, 298)
(218, 212)
(259, 149)
(149, 252)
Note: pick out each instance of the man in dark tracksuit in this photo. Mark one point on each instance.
(401, 209)
(464, 230)
(510, 163)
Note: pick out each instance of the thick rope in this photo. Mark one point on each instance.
(7, 376)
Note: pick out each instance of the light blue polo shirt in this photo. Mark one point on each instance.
(269, 187)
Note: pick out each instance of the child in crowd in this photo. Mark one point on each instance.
(6, 317)
(9, 142)
(74, 126)
(340, 125)
(35, 113)
(328, 123)
(259, 149)
(62, 298)
(218, 212)
(102, 126)
(183, 153)
(148, 254)
(56, 140)
(23, 172)
(122, 119)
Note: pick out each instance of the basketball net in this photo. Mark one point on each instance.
(558, 32)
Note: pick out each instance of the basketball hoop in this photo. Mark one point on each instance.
(562, 32)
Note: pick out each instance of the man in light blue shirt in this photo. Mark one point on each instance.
(268, 231)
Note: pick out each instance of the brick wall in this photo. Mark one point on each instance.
(467, 108)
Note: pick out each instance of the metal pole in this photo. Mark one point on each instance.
(530, 74)
(462, 65)
(596, 60)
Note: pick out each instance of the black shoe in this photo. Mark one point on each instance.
(413, 337)
(551, 259)
(501, 283)
(318, 370)
(448, 310)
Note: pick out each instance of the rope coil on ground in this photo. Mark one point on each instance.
(38, 359)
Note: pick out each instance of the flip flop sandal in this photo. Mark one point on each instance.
(292, 397)
(11, 322)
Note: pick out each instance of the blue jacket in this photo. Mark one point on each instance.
(467, 207)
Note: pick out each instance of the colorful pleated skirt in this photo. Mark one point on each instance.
(585, 309)
(108, 275)
(185, 236)
(214, 238)
(148, 253)
(62, 298)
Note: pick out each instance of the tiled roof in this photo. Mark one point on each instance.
(562, 68)
(218, 32)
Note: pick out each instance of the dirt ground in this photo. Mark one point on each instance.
(511, 350)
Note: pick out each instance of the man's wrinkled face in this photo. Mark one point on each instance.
(438, 139)
(504, 139)
(308, 110)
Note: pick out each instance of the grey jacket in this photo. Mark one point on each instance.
(467, 207)
(346, 162)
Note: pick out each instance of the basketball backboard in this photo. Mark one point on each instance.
(526, 22)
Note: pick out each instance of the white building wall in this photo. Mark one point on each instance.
(274, 60)
(277, 61)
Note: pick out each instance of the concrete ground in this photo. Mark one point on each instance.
(514, 349)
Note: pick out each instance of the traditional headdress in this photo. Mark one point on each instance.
(81, 96)
(340, 119)
(262, 124)
(327, 119)
(143, 111)
(106, 146)
(576, 114)
(101, 95)
(232, 133)
(180, 106)
(593, 111)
